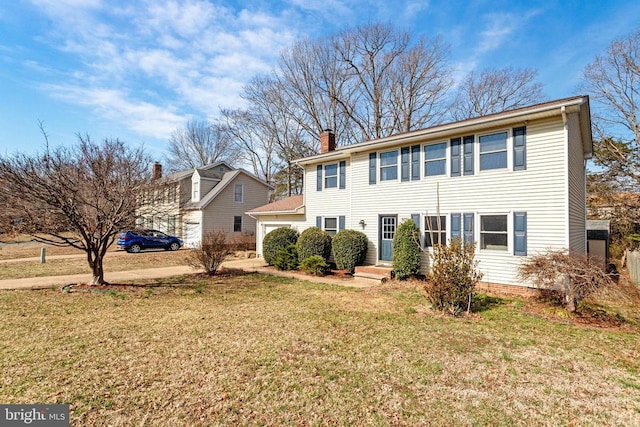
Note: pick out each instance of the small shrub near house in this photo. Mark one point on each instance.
(315, 265)
(212, 251)
(287, 258)
(406, 250)
(453, 276)
(314, 241)
(276, 240)
(349, 248)
(572, 276)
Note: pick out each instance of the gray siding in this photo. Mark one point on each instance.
(218, 215)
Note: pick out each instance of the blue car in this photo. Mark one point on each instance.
(133, 241)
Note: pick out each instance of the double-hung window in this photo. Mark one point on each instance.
(435, 228)
(493, 232)
(331, 176)
(237, 223)
(435, 159)
(389, 166)
(331, 225)
(493, 151)
(196, 191)
(238, 195)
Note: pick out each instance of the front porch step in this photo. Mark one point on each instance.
(378, 278)
(377, 270)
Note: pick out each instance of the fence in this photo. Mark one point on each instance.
(633, 265)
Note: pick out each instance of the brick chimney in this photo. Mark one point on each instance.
(156, 171)
(327, 141)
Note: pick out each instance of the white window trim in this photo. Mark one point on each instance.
(509, 232)
(195, 191)
(235, 193)
(447, 159)
(336, 176)
(447, 230)
(324, 224)
(508, 149)
(397, 166)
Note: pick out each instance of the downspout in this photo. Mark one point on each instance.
(563, 112)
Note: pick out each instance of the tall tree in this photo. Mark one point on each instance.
(252, 142)
(275, 123)
(495, 90)
(364, 83)
(196, 144)
(80, 197)
(613, 81)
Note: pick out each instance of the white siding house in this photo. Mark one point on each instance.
(512, 182)
(210, 198)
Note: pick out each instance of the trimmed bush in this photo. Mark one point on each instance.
(315, 265)
(314, 241)
(276, 240)
(453, 277)
(286, 258)
(406, 250)
(212, 251)
(349, 249)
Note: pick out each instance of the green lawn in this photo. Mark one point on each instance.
(260, 350)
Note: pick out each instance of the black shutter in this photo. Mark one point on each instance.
(520, 233)
(520, 148)
(372, 168)
(468, 155)
(455, 157)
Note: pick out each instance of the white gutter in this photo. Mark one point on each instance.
(439, 131)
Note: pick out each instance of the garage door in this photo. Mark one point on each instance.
(267, 228)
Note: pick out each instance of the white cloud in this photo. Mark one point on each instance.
(150, 65)
(142, 117)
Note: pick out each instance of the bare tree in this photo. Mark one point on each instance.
(252, 142)
(367, 82)
(495, 90)
(196, 144)
(613, 81)
(274, 122)
(80, 197)
(574, 276)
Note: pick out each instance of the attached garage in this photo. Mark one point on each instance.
(287, 212)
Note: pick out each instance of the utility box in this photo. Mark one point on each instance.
(598, 241)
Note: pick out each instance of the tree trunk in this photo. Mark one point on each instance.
(569, 295)
(97, 270)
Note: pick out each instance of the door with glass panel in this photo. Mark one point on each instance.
(387, 231)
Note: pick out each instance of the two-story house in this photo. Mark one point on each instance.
(513, 183)
(209, 198)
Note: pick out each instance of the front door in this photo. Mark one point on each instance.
(387, 231)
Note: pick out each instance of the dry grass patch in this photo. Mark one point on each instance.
(32, 250)
(261, 350)
(114, 261)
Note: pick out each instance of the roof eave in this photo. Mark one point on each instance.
(297, 211)
(552, 109)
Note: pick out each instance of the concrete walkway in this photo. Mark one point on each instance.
(250, 265)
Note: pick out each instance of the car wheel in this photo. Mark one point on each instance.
(174, 246)
(135, 248)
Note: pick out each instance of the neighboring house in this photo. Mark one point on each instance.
(513, 183)
(209, 198)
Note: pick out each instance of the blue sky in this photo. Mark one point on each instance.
(136, 70)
